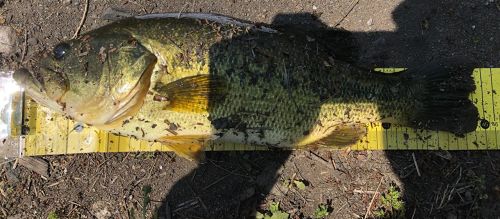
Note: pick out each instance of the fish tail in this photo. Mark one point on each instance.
(443, 100)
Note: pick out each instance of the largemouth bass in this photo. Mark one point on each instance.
(184, 80)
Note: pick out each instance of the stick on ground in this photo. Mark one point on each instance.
(373, 198)
(84, 16)
(416, 164)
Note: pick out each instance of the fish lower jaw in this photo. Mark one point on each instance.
(45, 102)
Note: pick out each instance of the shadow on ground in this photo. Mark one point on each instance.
(426, 30)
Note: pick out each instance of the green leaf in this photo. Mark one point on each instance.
(274, 207)
(280, 215)
(321, 211)
(52, 215)
(300, 185)
(259, 215)
(286, 183)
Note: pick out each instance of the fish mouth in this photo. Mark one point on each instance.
(35, 88)
(29, 81)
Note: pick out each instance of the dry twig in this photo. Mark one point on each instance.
(416, 164)
(373, 198)
(84, 16)
(364, 192)
(321, 160)
(348, 12)
(25, 46)
(216, 181)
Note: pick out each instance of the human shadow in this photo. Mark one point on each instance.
(268, 97)
(232, 185)
(427, 30)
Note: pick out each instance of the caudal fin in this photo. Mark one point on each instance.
(444, 104)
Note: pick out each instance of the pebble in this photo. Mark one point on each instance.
(8, 40)
(100, 210)
(370, 22)
(315, 8)
(32, 41)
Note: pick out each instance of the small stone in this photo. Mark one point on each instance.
(8, 40)
(100, 210)
(315, 8)
(370, 22)
(32, 41)
(67, 2)
(473, 27)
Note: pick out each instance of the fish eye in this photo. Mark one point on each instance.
(60, 50)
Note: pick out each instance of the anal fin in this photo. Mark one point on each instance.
(342, 135)
(187, 146)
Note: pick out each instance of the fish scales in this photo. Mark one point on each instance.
(273, 88)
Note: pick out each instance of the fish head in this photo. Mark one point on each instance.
(96, 79)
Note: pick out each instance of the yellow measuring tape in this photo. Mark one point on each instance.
(54, 134)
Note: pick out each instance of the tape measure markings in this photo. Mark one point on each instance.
(495, 122)
(484, 110)
(65, 140)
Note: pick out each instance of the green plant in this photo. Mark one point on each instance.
(392, 205)
(379, 213)
(146, 199)
(299, 184)
(274, 212)
(321, 211)
(52, 215)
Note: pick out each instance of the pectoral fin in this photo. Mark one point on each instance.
(188, 146)
(191, 94)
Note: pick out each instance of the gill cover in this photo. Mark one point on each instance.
(108, 75)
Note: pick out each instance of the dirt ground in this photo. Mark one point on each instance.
(395, 33)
